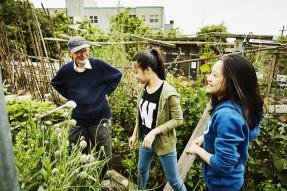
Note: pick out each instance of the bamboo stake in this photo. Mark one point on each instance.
(272, 72)
(52, 30)
(154, 41)
(99, 43)
(40, 31)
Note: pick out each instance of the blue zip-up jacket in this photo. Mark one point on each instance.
(88, 89)
(226, 136)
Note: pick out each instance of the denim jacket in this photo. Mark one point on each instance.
(169, 117)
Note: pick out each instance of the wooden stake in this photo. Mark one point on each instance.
(272, 72)
(185, 161)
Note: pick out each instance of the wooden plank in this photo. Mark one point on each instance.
(272, 72)
(154, 41)
(277, 108)
(99, 43)
(56, 39)
(121, 180)
(265, 43)
(199, 43)
(179, 54)
(176, 38)
(68, 37)
(185, 161)
(217, 56)
(250, 36)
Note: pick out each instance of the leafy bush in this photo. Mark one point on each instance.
(44, 158)
(267, 164)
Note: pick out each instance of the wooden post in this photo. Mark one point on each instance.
(185, 161)
(198, 68)
(272, 72)
(282, 31)
(238, 45)
(8, 175)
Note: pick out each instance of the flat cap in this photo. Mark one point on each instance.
(76, 43)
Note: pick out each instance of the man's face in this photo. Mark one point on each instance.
(80, 56)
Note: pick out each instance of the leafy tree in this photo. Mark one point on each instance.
(211, 28)
(210, 50)
(61, 22)
(281, 66)
(123, 22)
(11, 11)
(13, 19)
(19, 24)
(282, 39)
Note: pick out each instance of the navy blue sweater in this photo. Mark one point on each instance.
(88, 89)
(227, 137)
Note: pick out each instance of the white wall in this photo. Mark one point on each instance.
(79, 8)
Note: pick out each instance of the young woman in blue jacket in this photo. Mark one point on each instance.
(237, 109)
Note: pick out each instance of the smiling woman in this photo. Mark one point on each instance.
(159, 113)
(234, 121)
(215, 81)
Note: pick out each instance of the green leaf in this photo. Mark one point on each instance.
(205, 68)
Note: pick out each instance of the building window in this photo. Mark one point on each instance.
(154, 18)
(94, 19)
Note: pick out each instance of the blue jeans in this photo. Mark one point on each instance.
(169, 164)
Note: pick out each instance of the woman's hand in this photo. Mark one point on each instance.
(132, 141)
(193, 149)
(198, 141)
(195, 145)
(148, 140)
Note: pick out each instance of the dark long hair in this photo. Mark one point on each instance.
(241, 87)
(153, 59)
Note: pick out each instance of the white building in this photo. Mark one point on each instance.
(78, 9)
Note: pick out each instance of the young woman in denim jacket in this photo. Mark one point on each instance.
(234, 119)
(159, 113)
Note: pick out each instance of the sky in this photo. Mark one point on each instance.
(262, 17)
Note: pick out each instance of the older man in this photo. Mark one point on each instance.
(88, 81)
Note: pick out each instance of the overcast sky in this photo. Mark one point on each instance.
(239, 16)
